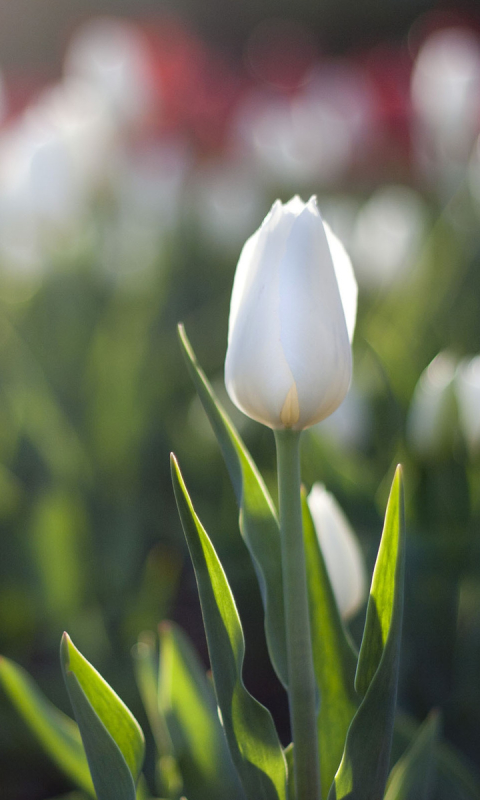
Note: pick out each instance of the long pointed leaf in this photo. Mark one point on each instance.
(258, 517)
(363, 772)
(412, 778)
(251, 735)
(170, 782)
(334, 657)
(455, 778)
(57, 733)
(112, 738)
(188, 703)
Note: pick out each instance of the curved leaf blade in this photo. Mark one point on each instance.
(363, 772)
(169, 779)
(187, 702)
(412, 777)
(113, 740)
(258, 517)
(252, 739)
(455, 777)
(56, 732)
(334, 657)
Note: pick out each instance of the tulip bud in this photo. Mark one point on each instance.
(341, 551)
(289, 361)
(431, 418)
(467, 385)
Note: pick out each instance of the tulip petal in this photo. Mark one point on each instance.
(313, 328)
(288, 361)
(345, 275)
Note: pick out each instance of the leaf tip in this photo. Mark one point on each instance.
(183, 336)
(65, 643)
(397, 483)
(185, 345)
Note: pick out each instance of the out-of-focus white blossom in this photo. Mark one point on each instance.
(446, 101)
(310, 139)
(111, 56)
(341, 551)
(147, 190)
(467, 386)
(51, 161)
(288, 361)
(387, 236)
(431, 417)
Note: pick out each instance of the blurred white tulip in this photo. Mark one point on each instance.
(288, 362)
(341, 551)
(311, 138)
(467, 386)
(387, 236)
(111, 56)
(431, 418)
(446, 100)
(51, 161)
(148, 188)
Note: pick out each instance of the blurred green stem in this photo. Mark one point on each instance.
(301, 679)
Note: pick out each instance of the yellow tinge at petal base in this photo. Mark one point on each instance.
(291, 409)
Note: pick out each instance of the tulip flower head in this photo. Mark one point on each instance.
(288, 362)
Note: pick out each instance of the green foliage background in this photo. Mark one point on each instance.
(94, 395)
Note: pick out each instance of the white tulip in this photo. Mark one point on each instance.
(387, 236)
(341, 551)
(431, 417)
(111, 56)
(289, 360)
(467, 386)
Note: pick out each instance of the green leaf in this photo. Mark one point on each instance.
(170, 782)
(251, 735)
(455, 778)
(291, 771)
(112, 738)
(187, 702)
(412, 778)
(57, 733)
(258, 517)
(334, 657)
(363, 772)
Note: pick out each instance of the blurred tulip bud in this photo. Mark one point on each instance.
(341, 551)
(111, 56)
(431, 419)
(289, 360)
(446, 103)
(387, 236)
(467, 386)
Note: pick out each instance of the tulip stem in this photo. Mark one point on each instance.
(301, 677)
